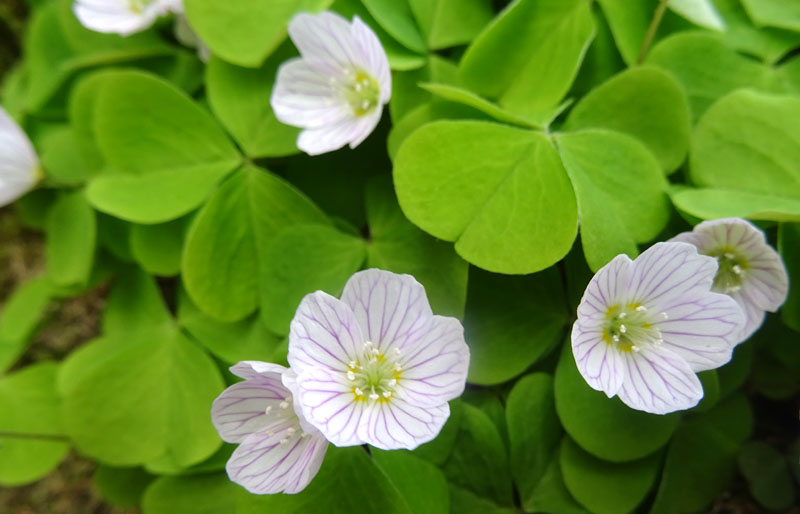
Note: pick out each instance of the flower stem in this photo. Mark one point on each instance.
(651, 31)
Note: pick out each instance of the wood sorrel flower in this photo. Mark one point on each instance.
(377, 366)
(19, 166)
(337, 89)
(124, 17)
(278, 450)
(645, 327)
(750, 270)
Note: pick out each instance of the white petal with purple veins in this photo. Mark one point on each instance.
(434, 370)
(324, 332)
(283, 460)
(598, 361)
(659, 382)
(668, 271)
(390, 308)
(399, 424)
(241, 409)
(18, 161)
(609, 286)
(329, 403)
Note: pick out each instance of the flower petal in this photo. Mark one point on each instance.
(241, 409)
(607, 288)
(303, 96)
(754, 316)
(658, 381)
(398, 424)
(434, 365)
(373, 57)
(702, 329)
(391, 309)
(324, 332)
(279, 461)
(599, 362)
(116, 16)
(18, 161)
(325, 39)
(328, 138)
(669, 271)
(328, 403)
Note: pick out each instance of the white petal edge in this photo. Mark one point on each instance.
(349, 131)
(608, 287)
(435, 365)
(324, 333)
(391, 309)
(328, 403)
(18, 161)
(325, 38)
(116, 17)
(659, 382)
(282, 461)
(399, 425)
(598, 362)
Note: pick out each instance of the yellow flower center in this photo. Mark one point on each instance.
(732, 269)
(375, 375)
(630, 327)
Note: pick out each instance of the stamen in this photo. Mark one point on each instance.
(387, 394)
(284, 405)
(615, 338)
(622, 315)
(392, 382)
(365, 104)
(291, 430)
(359, 87)
(284, 440)
(623, 328)
(268, 409)
(359, 392)
(736, 269)
(635, 348)
(350, 375)
(729, 255)
(353, 364)
(373, 396)
(665, 315)
(641, 308)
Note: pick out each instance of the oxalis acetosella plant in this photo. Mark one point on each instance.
(400, 256)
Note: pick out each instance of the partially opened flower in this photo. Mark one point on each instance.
(19, 166)
(750, 270)
(645, 327)
(122, 17)
(377, 366)
(337, 89)
(278, 451)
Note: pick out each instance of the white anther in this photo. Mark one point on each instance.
(623, 328)
(635, 348)
(392, 382)
(359, 392)
(270, 433)
(387, 394)
(291, 430)
(284, 405)
(268, 409)
(729, 255)
(365, 105)
(665, 315)
(353, 365)
(396, 351)
(284, 440)
(615, 338)
(351, 376)
(641, 308)
(622, 315)
(332, 80)
(398, 368)
(737, 269)
(373, 396)
(359, 87)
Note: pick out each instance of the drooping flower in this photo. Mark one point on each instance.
(750, 270)
(645, 327)
(19, 166)
(124, 17)
(278, 450)
(337, 89)
(377, 366)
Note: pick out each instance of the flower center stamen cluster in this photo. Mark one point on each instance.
(361, 91)
(732, 269)
(286, 411)
(138, 6)
(631, 327)
(374, 376)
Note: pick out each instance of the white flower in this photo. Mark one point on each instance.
(19, 166)
(122, 17)
(278, 451)
(337, 89)
(750, 270)
(377, 366)
(645, 327)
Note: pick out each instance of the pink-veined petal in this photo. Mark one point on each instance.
(398, 424)
(702, 329)
(391, 309)
(325, 39)
(667, 271)
(434, 365)
(324, 333)
(284, 460)
(608, 287)
(754, 316)
(658, 381)
(328, 403)
(599, 362)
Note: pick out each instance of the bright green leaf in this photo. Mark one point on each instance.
(767, 42)
(158, 248)
(211, 493)
(422, 484)
(645, 103)
(767, 474)
(712, 203)
(447, 23)
(71, 239)
(21, 313)
(122, 487)
(774, 13)
(551, 494)
(501, 193)
(30, 408)
(396, 18)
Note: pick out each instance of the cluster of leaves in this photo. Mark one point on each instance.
(512, 131)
